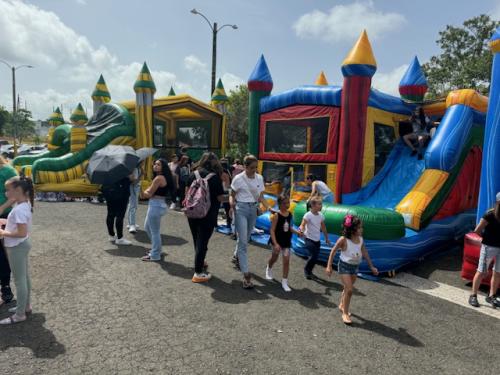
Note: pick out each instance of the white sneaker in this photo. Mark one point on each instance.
(172, 206)
(269, 273)
(284, 284)
(132, 229)
(122, 241)
(112, 239)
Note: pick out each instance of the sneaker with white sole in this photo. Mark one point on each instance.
(132, 229)
(122, 241)
(269, 273)
(201, 277)
(112, 238)
(284, 284)
(173, 206)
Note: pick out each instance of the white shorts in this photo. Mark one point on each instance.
(487, 255)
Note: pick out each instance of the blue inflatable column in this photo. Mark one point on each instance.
(490, 169)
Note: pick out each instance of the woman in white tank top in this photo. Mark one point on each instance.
(352, 250)
(319, 188)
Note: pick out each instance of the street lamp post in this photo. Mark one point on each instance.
(215, 29)
(14, 106)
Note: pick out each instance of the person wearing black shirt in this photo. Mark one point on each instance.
(489, 228)
(117, 196)
(202, 229)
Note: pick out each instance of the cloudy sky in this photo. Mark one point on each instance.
(71, 42)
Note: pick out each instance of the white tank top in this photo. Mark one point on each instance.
(352, 254)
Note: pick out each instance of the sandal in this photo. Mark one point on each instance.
(342, 310)
(147, 258)
(13, 310)
(247, 284)
(13, 319)
(346, 319)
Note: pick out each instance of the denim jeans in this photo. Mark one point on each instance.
(156, 209)
(133, 201)
(244, 221)
(313, 247)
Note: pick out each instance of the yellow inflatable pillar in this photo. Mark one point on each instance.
(101, 94)
(145, 89)
(219, 101)
(78, 132)
(55, 119)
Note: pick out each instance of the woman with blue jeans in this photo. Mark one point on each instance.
(247, 190)
(160, 190)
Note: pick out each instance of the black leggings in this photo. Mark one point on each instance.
(201, 230)
(4, 265)
(117, 206)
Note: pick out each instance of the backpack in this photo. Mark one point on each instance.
(197, 202)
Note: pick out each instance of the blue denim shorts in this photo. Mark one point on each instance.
(486, 256)
(347, 268)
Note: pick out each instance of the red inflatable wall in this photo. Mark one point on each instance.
(465, 192)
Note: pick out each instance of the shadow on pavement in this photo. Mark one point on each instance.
(132, 251)
(142, 236)
(233, 293)
(400, 335)
(33, 335)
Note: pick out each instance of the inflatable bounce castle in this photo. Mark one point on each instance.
(351, 138)
(167, 123)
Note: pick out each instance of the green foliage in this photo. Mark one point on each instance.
(465, 61)
(37, 139)
(22, 123)
(237, 122)
(4, 118)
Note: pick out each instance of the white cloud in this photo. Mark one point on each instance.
(389, 82)
(81, 2)
(70, 58)
(194, 64)
(345, 22)
(231, 81)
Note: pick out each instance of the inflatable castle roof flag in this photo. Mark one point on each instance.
(413, 85)
(56, 118)
(171, 92)
(219, 94)
(260, 79)
(321, 80)
(79, 117)
(144, 82)
(360, 61)
(101, 92)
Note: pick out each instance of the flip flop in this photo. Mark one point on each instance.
(346, 319)
(13, 310)
(10, 320)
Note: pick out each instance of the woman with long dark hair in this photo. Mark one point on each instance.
(208, 168)
(161, 191)
(489, 229)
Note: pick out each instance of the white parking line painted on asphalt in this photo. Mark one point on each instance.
(449, 293)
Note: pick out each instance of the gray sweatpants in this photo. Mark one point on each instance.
(18, 260)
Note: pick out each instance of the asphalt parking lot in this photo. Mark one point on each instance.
(99, 310)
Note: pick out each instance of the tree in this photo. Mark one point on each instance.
(465, 61)
(4, 118)
(25, 125)
(237, 122)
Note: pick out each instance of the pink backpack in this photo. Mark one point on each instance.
(197, 201)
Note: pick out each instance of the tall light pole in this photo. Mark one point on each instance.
(14, 107)
(215, 30)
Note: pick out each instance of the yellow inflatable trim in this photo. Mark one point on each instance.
(413, 205)
(469, 98)
(78, 186)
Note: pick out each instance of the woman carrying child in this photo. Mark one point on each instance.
(352, 250)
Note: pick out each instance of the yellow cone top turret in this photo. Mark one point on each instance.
(360, 61)
(321, 80)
